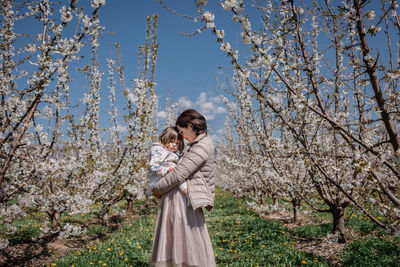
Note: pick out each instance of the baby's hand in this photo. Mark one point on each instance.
(185, 192)
(170, 169)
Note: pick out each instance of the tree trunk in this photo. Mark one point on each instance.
(275, 204)
(263, 201)
(296, 209)
(129, 206)
(338, 223)
(55, 219)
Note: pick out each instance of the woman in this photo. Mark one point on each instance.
(181, 237)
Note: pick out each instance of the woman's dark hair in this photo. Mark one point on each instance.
(193, 118)
(168, 135)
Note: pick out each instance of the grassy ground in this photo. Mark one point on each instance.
(240, 237)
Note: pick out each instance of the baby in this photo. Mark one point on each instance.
(163, 158)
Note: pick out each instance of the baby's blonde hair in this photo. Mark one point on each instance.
(170, 134)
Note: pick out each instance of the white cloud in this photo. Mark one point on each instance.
(162, 115)
(119, 128)
(185, 103)
(209, 107)
(220, 131)
(216, 99)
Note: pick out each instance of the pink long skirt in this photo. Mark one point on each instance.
(181, 237)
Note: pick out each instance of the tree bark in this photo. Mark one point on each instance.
(55, 219)
(296, 209)
(275, 202)
(338, 223)
(129, 206)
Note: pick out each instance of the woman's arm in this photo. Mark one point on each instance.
(189, 163)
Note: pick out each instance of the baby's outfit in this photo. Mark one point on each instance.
(161, 160)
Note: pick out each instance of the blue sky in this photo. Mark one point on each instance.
(186, 66)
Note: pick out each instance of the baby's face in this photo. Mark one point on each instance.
(173, 145)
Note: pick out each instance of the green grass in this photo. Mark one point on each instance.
(312, 231)
(27, 229)
(363, 225)
(129, 246)
(372, 252)
(239, 236)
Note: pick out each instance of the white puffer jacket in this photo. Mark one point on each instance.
(160, 162)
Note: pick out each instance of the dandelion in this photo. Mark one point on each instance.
(53, 264)
(108, 249)
(100, 261)
(121, 253)
(91, 263)
(303, 262)
(139, 247)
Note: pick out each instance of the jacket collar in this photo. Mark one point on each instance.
(198, 138)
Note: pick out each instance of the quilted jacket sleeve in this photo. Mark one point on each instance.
(191, 160)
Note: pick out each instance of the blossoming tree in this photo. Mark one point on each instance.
(53, 159)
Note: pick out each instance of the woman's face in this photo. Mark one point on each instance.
(187, 133)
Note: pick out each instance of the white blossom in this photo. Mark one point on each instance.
(220, 34)
(237, 5)
(97, 3)
(66, 15)
(370, 14)
(226, 47)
